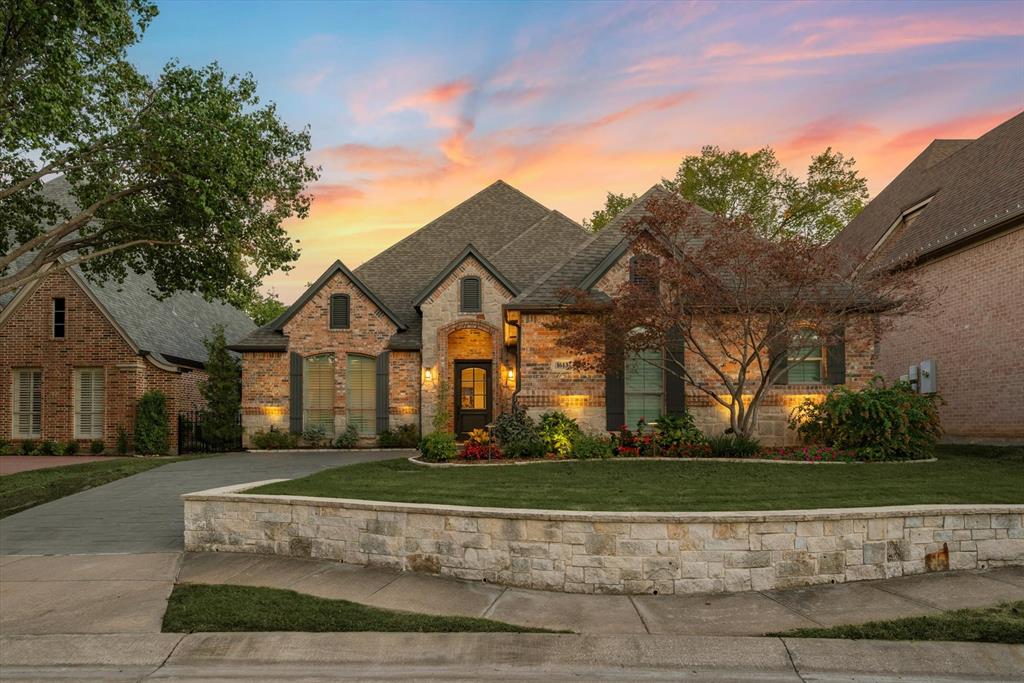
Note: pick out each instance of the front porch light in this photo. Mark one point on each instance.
(427, 374)
(511, 375)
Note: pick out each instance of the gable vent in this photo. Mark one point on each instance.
(471, 302)
(339, 311)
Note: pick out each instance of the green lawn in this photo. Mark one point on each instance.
(197, 608)
(962, 475)
(23, 490)
(1002, 624)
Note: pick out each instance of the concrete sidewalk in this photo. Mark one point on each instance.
(493, 656)
(731, 614)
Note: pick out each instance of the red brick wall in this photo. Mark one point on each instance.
(975, 333)
(26, 341)
(265, 375)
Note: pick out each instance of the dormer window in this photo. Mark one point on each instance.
(60, 313)
(470, 301)
(640, 269)
(339, 312)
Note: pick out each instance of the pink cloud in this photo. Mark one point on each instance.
(363, 158)
(828, 131)
(454, 146)
(960, 127)
(439, 94)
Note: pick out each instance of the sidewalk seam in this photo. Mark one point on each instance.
(916, 601)
(169, 654)
(792, 663)
(490, 607)
(790, 609)
(636, 609)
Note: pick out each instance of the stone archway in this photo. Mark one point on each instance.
(469, 340)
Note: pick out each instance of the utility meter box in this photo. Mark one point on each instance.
(915, 382)
(928, 381)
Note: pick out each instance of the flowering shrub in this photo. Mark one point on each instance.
(632, 444)
(686, 450)
(480, 437)
(811, 453)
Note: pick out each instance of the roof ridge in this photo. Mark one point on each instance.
(499, 181)
(528, 229)
(438, 218)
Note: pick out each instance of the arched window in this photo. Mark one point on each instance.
(318, 392)
(339, 312)
(361, 393)
(470, 301)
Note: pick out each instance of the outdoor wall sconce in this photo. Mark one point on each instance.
(427, 374)
(511, 375)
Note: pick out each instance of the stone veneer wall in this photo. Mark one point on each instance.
(612, 552)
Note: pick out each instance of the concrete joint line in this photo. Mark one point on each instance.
(490, 607)
(636, 609)
(168, 657)
(916, 601)
(397, 577)
(792, 663)
(788, 608)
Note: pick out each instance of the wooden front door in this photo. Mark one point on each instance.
(472, 396)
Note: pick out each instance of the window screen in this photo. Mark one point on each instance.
(471, 294)
(339, 311)
(89, 393)
(361, 394)
(318, 392)
(27, 402)
(645, 386)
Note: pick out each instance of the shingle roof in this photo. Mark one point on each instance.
(973, 185)
(173, 328)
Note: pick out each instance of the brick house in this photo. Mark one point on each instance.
(956, 216)
(463, 302)
(76, 356)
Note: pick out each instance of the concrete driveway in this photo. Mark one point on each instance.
(144, 513)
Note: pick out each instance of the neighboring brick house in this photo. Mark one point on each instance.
(956, 216)
(463, 302)
(76, 356)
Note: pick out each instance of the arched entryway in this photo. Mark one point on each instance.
(470, 353)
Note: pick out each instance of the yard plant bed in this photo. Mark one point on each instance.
(23, 490)
(1002, 624)
(961, 475)
(202, 608)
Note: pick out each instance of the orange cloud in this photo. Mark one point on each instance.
(362, 158)
(454, 146)
(960, 127)
(440, 94)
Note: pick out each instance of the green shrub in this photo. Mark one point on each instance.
(71, 448)
(879, 422)
(96, 447)
(403, 436)
(47, 447)
(438, 447)
(589, 446)
(733, 446)
(122, 441)
(676, 431)
(152, 425)
(274, 439)
(558, 432)
(315, 435)
(348, 438)
(517, 435)
(28, 447)
(222, 391)
(8, 447)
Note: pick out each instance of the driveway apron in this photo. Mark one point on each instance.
(144, 513)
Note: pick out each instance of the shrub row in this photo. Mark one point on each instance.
(50, 447)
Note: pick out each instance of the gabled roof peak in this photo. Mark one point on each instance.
(469, 251)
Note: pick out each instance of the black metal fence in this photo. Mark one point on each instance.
(193, 438)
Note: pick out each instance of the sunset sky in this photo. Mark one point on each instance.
(414, 107)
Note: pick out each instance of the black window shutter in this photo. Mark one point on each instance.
(780, 351)
(295, 394)
(471, 301)
(339, 311)
(383, 404)
(836, 358)
(675, 387)
(615, 394)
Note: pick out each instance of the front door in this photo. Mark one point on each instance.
(472, 396)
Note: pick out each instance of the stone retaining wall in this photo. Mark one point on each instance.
(612, 552)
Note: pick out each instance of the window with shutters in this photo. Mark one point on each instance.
(60, 314)
(805, 362)
(27, 401)
(361, 393)
(645, 386)
(318, 392)
(89, 392)
(471, 301)
(340, 311)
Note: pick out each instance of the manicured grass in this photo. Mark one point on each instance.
(24, 490)
(1002, 624)
(988, 475)
(197, 608)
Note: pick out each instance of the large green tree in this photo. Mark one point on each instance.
(614, 204)
(186, 175)
(733, 184)
(263, 309)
